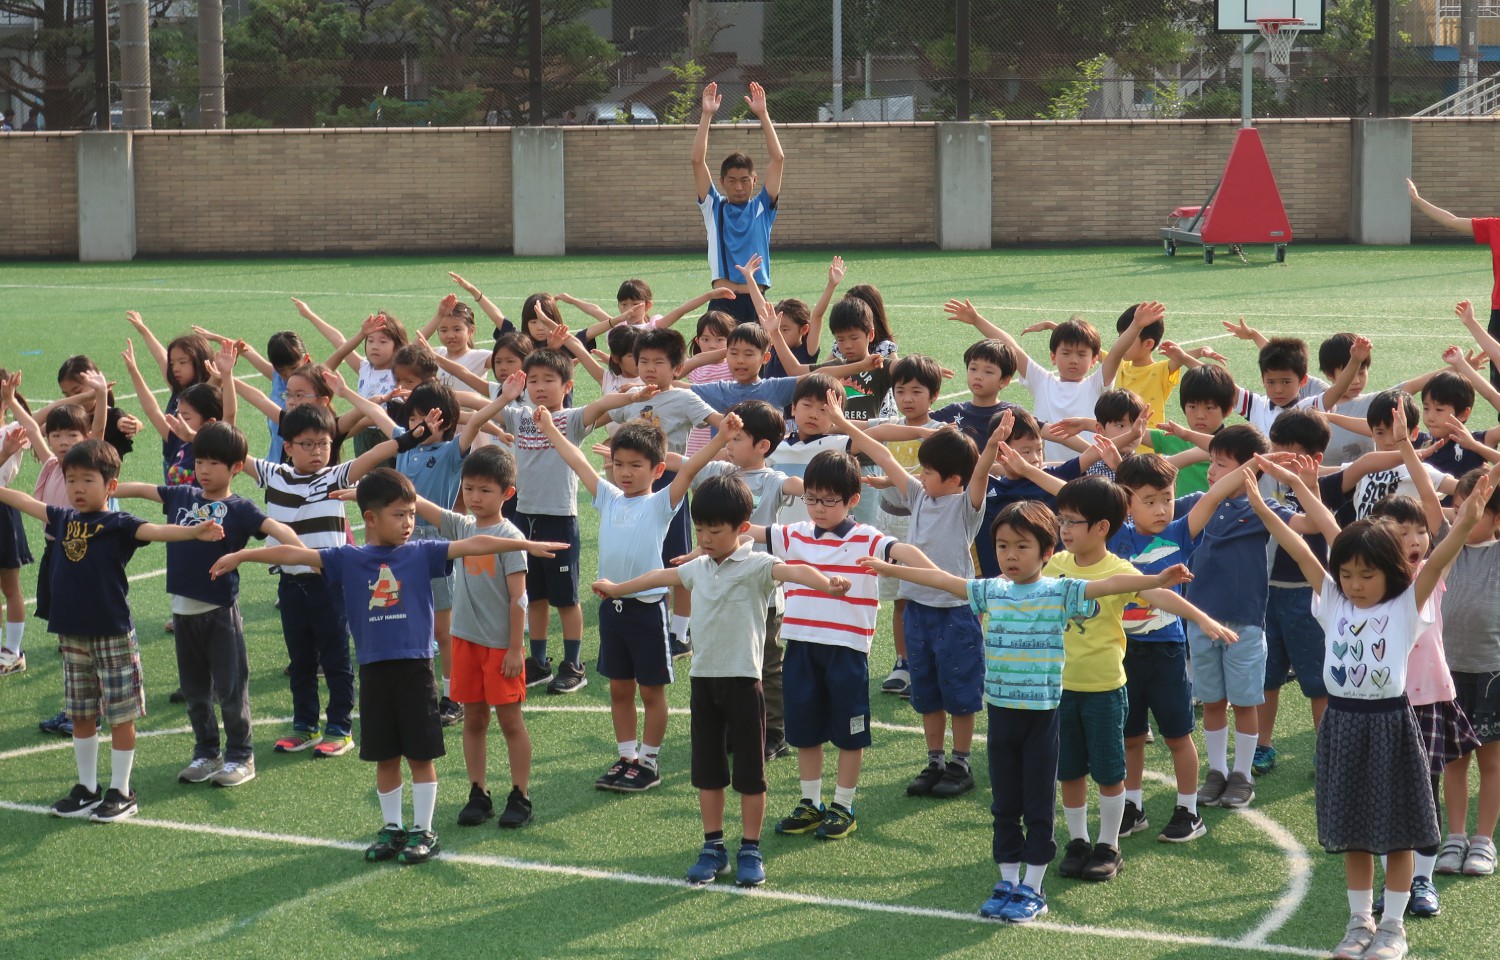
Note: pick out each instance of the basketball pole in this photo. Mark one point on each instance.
(1246, 84)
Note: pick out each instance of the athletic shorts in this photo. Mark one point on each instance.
(945, 656)
(398, 711)
(1091, 736)
(728, 712)
(826, 695)
(552, 580)
(1229, 671)
(1156, 681)
(633, 641)
(478, 676)
(1294, 639)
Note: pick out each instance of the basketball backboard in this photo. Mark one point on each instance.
(1239, 16)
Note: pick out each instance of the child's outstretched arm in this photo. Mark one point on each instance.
(562, 339)
(925, 576)
(172, 533)
(814, 336)
(655, 580)
(329, 332)
(1290, 541)
(671, 317)
(979, 480)
(1487, 343)
(253, 396)
(683, 482)
(1145, 315)
(1438, 214)
(484, 544)
(496, 315)
(571, 455)
(143, 393)
(1136, 582)
(756, 101)
(367, 408)
(25, 503)
(1436, 567)
(281, 555)
(386, 449)
(963, 311)
(1432, 504)
(1243, 331)
(810, 577)
(597, 410)
(602, 318)
(228, 353)
(1176, 604)
(1225, 488)
(1315, 518)
(347, 350)
(861, 442)
(153, 345)
(702, 179)
(251, 355)
(8, 387)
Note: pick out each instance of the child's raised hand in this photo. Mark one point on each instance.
(838, 586)
(1108, 452)
(1009, 459)
(872, 362)
(15, 442)
(601, 450)
(748, 270)
(557, 335)
(1173, 429)
(543, 418)
(514, 384)
(1173, 575)
(208, 532)
(446, 305)
(1473, 506)
(1455, 430)
(1240, 330)
(179, 429)
(714, 293)
(731, 425)
(1039, 326)
(1360, 349)
(1411, 190)
(756, 101)
(605, 589)
(1252, 489)
(836, 411)
(545, 549)
(1069, 427)
(128, 355)
(877, 481)
(711, 99)
(468, 287)
(371, 324)
(1464, 311)
(8, 387)
(434, 420)
(875, 565)
(1002, 430)
(1148, 313)
(335, 381)
(303, 309)
(836, 271)
(229, 352)
(962, 310)
(93, 378)
(129, 426)
(1400, 429)
(1476, 359)
(135, 320)
(644, 392)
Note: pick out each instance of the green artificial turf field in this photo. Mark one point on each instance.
(272, 869)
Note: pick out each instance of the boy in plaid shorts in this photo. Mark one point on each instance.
(101, 662)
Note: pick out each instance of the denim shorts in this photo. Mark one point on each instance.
(1294, 638)
(1229, 671)
(945, 655)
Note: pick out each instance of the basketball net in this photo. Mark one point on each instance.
(1280, 35)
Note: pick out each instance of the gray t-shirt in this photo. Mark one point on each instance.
(943, 528)
(765, 489)
(481, 597)
(1471, 610)
(1346, 446)
(676, 411)
(545, 484)
(729, 612)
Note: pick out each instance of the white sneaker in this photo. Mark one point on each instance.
(1451, 854)
(1389, 942)
(899, 682)
(1481, 859)
(233, 774)
(200, 770)
(11, 662)
(1357, 938)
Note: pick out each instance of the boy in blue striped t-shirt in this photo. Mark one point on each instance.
(1026, 615)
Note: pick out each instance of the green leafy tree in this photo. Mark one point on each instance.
(284, 61)
(444, 108)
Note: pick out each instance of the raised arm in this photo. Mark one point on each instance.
(815, 324)
(963, 311)
(386, 449)
(683, 482)
(703, 299)
(329, 332)
(1437, 214)
(1290, 541)
(1145, 315)
(1315, 518)
(153, 345)
(369, 409)
(147, 399)
(347, 350)
(1432, 504)
(1227, 487)
(571, 455)
(1489, 344)
(979, 480)
(229, 352)
(702, 179)
(602, 317)
(1359, 353)
(444, 308)
(776, 161)
(488, 412)
(253, 396)
(8, 387)
(1243, 331)
(861, 442)
(24, 502)
(928, 576)
(496, 315)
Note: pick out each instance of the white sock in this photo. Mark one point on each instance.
(1244, 751)
(627, 749)
(1077, 819)
(390, 806)
(680, 626)
(423, 803)
(447, 686)
(120, 764)
(1217, 744)
(1189, 800)
(812, 790)
(1136, 797)
(1395, 903)
(1423, 866)
(1385, 863)
(649, 755)
(1111, 812)
(86, 752)
(1010, 873)
(1034, 874)
(13, 634)
(1362, 903)
(844, 797)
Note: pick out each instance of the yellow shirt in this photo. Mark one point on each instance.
(1094, 648)
(1153, 384)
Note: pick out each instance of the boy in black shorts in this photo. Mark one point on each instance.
(387, 590)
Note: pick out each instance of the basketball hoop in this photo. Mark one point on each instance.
(1280, 35)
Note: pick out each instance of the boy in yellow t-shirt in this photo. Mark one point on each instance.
(1150, 379)
(1092, 710)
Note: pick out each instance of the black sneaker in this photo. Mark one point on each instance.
(776, 747)
(1103, 863)
(177, 696)
(80, 802)
(389, 842)
(1133, 820)
(517, 811)
(922, 784)
(1075, 858)
(59, 725)
(115, 806)
(638, 778)
(612, 776)
(421, 846)
(680, 648)
(538, 671)
(806, 818)
(1185, 825)
(569, 679)
(957, 780)
(449, 712)
(479, 808)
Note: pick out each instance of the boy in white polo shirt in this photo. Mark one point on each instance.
(731, 584)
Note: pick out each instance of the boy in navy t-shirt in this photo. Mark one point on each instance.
(101, 662)
(212, 662)
(387, 589)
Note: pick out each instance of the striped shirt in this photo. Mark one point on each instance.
(815, 617)
(302, 502)
(1023, 637)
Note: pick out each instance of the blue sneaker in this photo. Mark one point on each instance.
(994, 907)
(59, 725)
(750, 869)
(1424, 898)
(1264, 762)
(712, 863)
(1025, 906)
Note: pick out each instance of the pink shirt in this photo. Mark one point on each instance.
(50, 488)
(1427, 678)
(708, 373)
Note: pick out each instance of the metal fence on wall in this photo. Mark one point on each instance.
(445, 62)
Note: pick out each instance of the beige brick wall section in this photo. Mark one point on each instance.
(862, 185)
(41, 195)
(1452, 162)
(1116, 181)
(316, 191)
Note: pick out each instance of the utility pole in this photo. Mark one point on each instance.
(961, 36)
(534, 43)
(135, 64)
(101, 69)
(1382, 58)
(211, 64)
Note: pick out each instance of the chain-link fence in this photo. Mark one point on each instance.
(449, 62)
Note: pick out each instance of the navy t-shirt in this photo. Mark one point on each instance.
(773, 368)
(1230, 569)
(1331, 491)
(388, 596)
(1003, 491)
(189, 561)
(89, 587)
(973, 420)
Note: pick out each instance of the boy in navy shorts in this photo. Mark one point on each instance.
(101, 662)
(387, 589)
(633, 643)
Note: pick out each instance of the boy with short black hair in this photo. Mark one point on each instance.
(634, 519)
(1150, 379)
(989, 367)
(1447, 404)
(1207, 395)
(386, 585)
(101, 662)
(728, 708)
(212, 662)
(1283, 374)
(811, 436)
(1377, 475)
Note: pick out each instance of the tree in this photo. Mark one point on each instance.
(285, 59)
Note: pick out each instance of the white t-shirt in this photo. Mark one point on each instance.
(1058, 399)
(1375, 487)
(476, 362)
(1365, 649)
(374, 383)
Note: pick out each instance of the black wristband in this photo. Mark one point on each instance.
(412, 438)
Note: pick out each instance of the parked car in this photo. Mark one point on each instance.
(611, 111)
(161, 112)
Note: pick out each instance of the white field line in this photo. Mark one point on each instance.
(1287, 904)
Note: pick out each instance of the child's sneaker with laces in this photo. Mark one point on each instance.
(199, 770)
(333, 745)
(388, 842)
(479, 808)
(1389, 942)
(994, 907)
(611, 778)
(449, 712)
(1424, 898)
(11, 662)
(1357, 937)
(1451, 854)
(80, 802)
(749, 867)
(232, 774)
(59, 725)
(517, 812)
(114, 806)
(838, 823)
(1185, 825)
(1133, 820)
(680, 648)
(638, 778)
(1264, 761)
(421, 846)
(298, 740)
(713, 863)
(805, 818)
(1025, 906)
(1481, 859)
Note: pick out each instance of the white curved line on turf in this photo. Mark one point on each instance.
(1299, 864)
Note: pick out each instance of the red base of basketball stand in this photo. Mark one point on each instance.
(1245, 206)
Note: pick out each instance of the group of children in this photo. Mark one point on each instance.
(1069, 569)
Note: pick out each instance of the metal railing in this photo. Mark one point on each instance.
(1480, 100)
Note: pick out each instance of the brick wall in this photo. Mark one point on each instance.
(1114, 181)
(313, 191)
(41, 195)
(1452, 162)
(863, 185)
